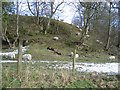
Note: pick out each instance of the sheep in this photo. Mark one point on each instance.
(11, 55)
(72, 54)
(5, 55)
(98, 41)
(112, 57)
(80, 30)
(101, 42)
(27, 57)
(87, 36)
(55, 38)
(84, 45)
(76, 55)
(77, 33)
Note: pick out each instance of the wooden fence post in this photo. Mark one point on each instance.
(0, 45)
(74, 59)
(19, 63)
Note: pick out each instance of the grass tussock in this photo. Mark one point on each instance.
(34, 76)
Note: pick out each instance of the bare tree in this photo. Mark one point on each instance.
(86, 11)
(19, 63)
(7, 8)
(119, 23)
(109, 29)
(17, 27)
(119, 30)
(36, 8)
(6, 19)
(29, 7)
(53, 9)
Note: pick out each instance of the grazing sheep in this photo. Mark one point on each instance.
(80, 30)
(76, 55)
(97, 41)
(112, 57)
(72, 54)
(5, 55)
(8, 55)
(27, 57)
(11, 55)
(87, 36)
(101, 42)
(84, 45)
(55, 38)
(77, 33)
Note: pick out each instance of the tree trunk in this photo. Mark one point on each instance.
(109, 29)
(30, 8)
(17, 30)
(6, 38)
(48, 26)
(85, 31)
(0, 44)
(119, 31)
(19, 64)
(119, 25)
(37, 10)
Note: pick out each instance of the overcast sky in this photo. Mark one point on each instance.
(68, 11)
(66, 16)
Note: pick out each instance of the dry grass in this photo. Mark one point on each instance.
(34, 76)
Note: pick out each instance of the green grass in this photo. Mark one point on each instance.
(39, 42)
(39, 76)
(81, 84)
(40, 52)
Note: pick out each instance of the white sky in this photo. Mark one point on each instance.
(68, 11)
(67, 14)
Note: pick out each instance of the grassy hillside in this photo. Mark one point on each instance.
(38, 41)
(28, 26)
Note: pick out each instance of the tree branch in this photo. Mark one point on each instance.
(30, 8)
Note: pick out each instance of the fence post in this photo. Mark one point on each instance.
(74, 59)
(19, 64)
(0, 45)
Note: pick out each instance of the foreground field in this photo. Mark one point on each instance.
(39, 76)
